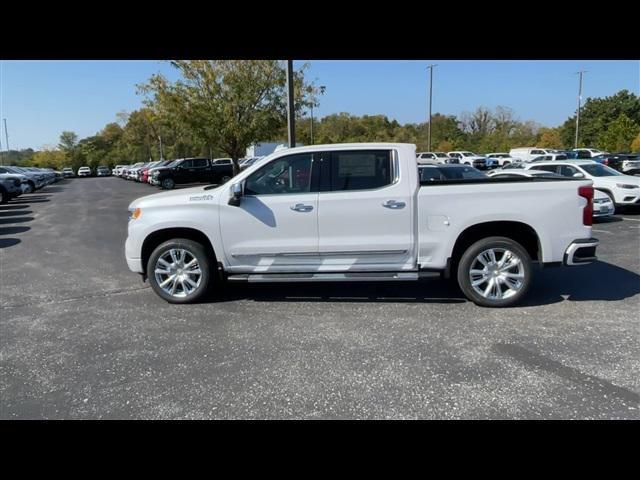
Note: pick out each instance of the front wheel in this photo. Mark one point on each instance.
(168, 183)
(225, 179)
(495, 272)
(4, 196)
(179, 271)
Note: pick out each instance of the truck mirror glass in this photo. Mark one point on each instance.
(235, 194)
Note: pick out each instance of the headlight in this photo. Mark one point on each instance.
(626, 185)
(134, 213)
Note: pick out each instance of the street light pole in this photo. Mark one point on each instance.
(291, 120)
(322, 89)
(160, 140)
(579, 101)
(430, 67)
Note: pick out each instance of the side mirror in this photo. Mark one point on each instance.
(578, 175)
(235, 194)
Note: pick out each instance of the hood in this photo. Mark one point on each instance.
(173, 197)
(627, 179)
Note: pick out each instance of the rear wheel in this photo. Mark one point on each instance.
(495, 272)
(168, 183)
(4, 196)
(179, 271)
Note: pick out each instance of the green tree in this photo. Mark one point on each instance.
(549, 138)
(619, 134)
(68, 140)
(227, 104)
(635, 145)
(597, 114)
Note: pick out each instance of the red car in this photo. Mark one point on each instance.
(144, 172)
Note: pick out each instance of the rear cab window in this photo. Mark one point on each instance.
(360, 170)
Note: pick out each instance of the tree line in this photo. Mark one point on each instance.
(219, 108)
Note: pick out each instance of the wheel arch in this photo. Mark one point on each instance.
(520, 232)
(160, 236)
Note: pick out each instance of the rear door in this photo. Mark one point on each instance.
(364, 211)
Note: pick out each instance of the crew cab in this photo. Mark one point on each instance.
(431, 158)
(359, 212)
(469, 158)
(191, 170)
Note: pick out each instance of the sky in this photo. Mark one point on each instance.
(40, 99)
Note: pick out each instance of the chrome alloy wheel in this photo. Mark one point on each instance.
(497, 273)
(177, 272)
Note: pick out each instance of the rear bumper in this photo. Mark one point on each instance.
(581, 252)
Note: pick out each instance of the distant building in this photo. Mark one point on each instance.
(261, 149)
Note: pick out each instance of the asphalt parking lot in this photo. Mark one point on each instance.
(82, 337)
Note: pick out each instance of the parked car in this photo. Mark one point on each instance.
(469, 158)
(248, 162)
(143, 173)
(35, 180)
(10, 187)
(527, 154)
(360, 214)
(191, 170)
(103, 171)
(435, 173)
(550, 157)
(498, 159)
(84, 172)
(602, 204)
(426, 158)
(116, 170)
(622, 189)
(67, 172)
(622, 162)
(148, 172)
(588, 152)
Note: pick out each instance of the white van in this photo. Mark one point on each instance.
(526, 154)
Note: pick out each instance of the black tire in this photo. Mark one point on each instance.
(33, 187)
(225, 179)
(197, 251)
(168, 183)
(4, 196)
(468, 260)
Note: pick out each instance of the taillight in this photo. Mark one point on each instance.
(587, 212)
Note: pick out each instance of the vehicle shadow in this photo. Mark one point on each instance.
(430, 290)
(599, 281)
(4, 221)
(603, 220)
(13, 230)
(9, 242)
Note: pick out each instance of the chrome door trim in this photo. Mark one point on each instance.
(322, 254)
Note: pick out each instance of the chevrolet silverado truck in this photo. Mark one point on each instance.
(191, 170)
(359, 212)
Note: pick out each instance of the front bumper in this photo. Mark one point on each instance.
(581, 252)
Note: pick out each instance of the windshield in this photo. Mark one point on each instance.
(598, 170)
(468, 154)
(172, 163)
(441, 155)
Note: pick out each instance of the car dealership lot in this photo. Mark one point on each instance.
(83, 337)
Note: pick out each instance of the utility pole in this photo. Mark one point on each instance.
(579, 101)
(291, 119)
(430, 67)
(322, 89)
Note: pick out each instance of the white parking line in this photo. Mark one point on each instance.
(600, 231)
(634, 219)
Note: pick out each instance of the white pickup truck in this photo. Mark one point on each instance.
(358, 212)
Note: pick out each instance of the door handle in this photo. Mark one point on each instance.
(301, 207)
(394, 204)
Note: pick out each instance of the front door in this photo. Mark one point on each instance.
(275, 227)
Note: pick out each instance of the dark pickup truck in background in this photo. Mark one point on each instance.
(192, 170)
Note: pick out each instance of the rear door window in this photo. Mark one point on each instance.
(360, 170)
